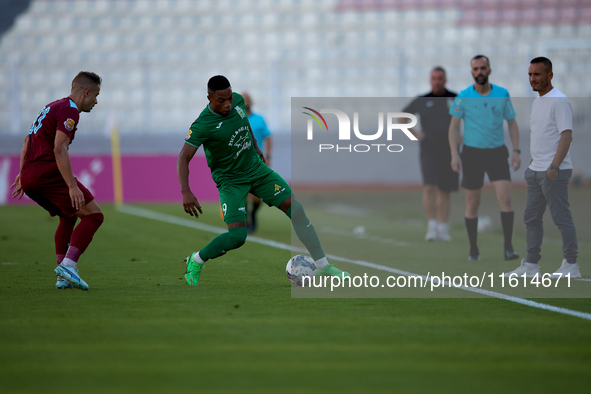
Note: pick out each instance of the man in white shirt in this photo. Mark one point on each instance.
(549, 172)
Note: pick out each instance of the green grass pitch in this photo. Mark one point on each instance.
(141, 329)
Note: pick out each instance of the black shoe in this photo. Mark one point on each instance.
(510, 254)
(474, 255)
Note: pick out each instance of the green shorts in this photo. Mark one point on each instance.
(266, 184)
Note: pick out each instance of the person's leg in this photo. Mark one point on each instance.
(54, 194)
(223, 243)
(472, 180)
(447, 182)
(471, 220)
(275, 191)
(503, 193)
(556, 193)
(533, 215)
(62, 237)
(303, 227)
(535, 206)
(91, 218)
(499, 172)
(220, 245)
(42, 189)
(233, 203)
(251, 218)
(429, 169)
(272, 189)
(306, 233)
(429, 201)
(443, 206)
(430, 207)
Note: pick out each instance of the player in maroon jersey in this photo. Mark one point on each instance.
(46, 177)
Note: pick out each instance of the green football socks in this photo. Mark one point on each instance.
(305, 230)
(234, 238)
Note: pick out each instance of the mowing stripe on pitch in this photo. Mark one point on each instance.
(163, 217)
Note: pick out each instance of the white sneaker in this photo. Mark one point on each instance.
(566, 268)
(529, 269)
(443, 233)
(431, 231)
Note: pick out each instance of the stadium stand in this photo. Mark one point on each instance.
(155, 55)
(9, 9)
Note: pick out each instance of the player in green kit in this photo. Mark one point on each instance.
(238, 168)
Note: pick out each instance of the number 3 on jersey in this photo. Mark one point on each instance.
(37, 123)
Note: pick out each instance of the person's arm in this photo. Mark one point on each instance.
(420, 135)
(413, 108)
(190, 203)
(514, 133)
(62, 158)
(254, 143)
(18, 190)
(566, 137)
(268, 146)
(456, 162)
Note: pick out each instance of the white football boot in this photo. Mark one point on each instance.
(71, 275)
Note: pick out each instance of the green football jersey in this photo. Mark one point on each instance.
(227, 142)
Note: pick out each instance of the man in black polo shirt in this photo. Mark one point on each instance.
(438, 178)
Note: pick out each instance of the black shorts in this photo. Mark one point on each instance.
(436, 167)
(476, 161)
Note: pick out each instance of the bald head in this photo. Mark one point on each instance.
(247, 101)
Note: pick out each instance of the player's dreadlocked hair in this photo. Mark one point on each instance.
(219, 82)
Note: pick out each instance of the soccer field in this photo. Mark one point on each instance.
(141, 329)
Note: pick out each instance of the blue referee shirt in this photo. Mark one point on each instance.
(483, 116)
(259, 129)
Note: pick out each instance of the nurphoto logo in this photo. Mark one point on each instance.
(344, 132)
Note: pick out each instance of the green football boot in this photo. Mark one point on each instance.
(331, 270)
(193, 270)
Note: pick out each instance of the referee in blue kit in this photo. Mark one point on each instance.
(483, 107)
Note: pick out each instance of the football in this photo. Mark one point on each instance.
(298, 267)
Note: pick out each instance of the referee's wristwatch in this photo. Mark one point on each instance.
(553, 168)
(517, 150)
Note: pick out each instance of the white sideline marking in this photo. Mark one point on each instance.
(344, 233)
(148, 214)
